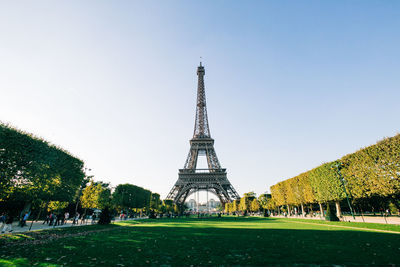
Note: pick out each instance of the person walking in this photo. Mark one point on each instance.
(55, 219)
(47, 219)
(76, 218)
(51, 219)
(60, 219)
(3, 220)
(24, 218)
(66, 217)
(8, 225)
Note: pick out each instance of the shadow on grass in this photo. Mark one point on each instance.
(51, 233)
(152, 242)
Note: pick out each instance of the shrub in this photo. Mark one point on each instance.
(330, 215)
(105, 216)
(152, 215)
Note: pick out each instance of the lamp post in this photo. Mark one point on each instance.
(339, 166)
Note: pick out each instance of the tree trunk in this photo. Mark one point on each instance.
(338, 210)
(321, 210)
(38, 216)
(362, 215)
(76, 207)
(83, 216)
(302, 210)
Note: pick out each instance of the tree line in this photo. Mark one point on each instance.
(249, 203)
(125, 198)
(366, 180)
(40, 177)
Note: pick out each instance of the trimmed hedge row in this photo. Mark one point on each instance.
(368, 174)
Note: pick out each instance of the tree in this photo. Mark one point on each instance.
(306, 191)
(245, 202)
(90, 198)
(374, 170)
(104, 199)
(278, 193)
(266, 203)
(227, 208)
(128, 196)
(56, 205)
(271, 205)
(235, 206)
(169, 205)
(326, 183)
(255, 205)
(34, 172)
(155, 201)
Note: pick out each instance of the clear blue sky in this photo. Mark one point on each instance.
(289, 84)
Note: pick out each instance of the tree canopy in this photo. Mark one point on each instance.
(128, 196)
(33, 170)
(371, 172)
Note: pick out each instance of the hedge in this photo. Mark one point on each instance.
(369, 173)
(33, 170)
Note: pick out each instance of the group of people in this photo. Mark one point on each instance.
(51, 219)
(6, 222)
(54, 219)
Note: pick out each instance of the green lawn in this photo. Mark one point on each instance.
(224, 242)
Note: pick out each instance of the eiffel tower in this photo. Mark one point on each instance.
(213, 179)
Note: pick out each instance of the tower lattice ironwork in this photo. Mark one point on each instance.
(212, 179)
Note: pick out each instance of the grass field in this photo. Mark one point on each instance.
(216, 241)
